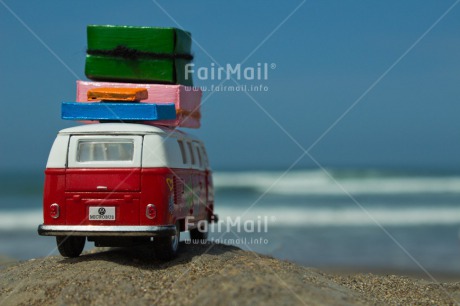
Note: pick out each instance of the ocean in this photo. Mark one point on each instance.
(354, 218)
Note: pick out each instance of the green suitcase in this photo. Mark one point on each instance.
(138, 54)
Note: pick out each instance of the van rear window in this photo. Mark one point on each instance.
(105, 150)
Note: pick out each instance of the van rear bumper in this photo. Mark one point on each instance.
(97, 230)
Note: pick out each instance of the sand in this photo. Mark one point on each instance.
(224, 275)
(6, 261)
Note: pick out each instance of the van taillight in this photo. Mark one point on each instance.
(54, 211)
(151, 211)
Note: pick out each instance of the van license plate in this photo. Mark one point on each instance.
(102, 213)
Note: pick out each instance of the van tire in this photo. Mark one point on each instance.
(166, 248)
(70, 246)
(199, 235)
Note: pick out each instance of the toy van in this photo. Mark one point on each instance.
(122, 184)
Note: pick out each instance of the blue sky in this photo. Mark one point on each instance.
(328, 55)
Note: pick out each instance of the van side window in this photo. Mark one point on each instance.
(182, 151)
(205, 157)
(192, 156)
(199, 156)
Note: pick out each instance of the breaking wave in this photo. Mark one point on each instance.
(319, 183)
(292, 217)
(308, 217)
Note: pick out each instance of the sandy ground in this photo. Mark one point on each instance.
(203, 275)
(5, 261)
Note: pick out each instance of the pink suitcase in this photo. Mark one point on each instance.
(186, 99)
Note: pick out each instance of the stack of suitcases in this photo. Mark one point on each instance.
(138, 75)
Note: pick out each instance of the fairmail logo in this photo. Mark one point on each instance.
(227, 72)
(237, 224)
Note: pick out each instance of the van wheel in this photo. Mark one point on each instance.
(200, 233)
(70, 246)
(166, 248)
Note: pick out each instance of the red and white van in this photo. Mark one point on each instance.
(121, 184)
